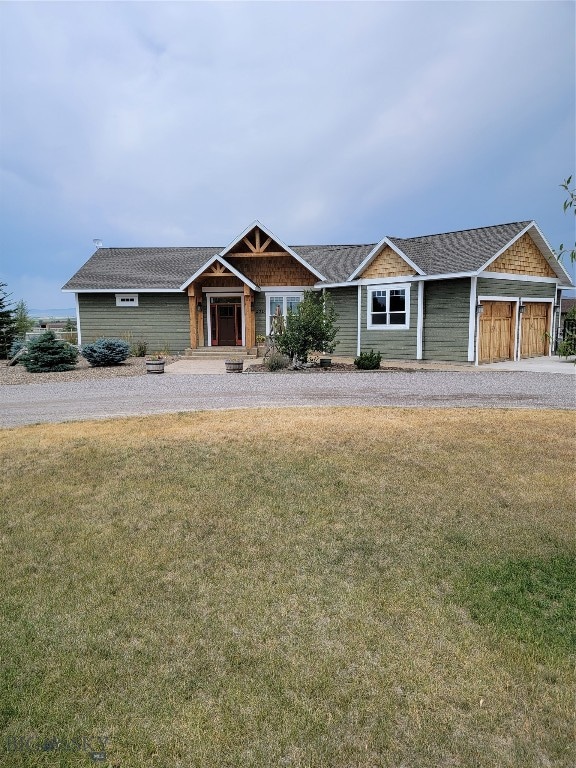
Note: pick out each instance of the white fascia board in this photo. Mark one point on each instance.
(543, 247)
(522, 278)
(270, 234)
(413, 278)
(224, 263)
(121, 290)
(376, 250)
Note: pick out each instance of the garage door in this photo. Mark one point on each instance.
(535, 325)
(496, 332)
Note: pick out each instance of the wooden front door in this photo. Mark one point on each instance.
(535, 325)
(226, 321)
(496, 332)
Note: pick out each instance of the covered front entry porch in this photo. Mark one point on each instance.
(221, 316)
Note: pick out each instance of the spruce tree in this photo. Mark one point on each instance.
(47, 353)
(7, 328)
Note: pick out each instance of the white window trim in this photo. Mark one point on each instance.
(387, 287)
(279, 294)
(126, 299)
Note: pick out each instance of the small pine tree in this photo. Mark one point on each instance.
(22, 320)
(47, 353)
(7, 330)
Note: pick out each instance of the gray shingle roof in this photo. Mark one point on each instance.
(169, 268)
(462, 251)
(162, 268)
(335, 262)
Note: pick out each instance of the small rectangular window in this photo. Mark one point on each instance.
(126, 299)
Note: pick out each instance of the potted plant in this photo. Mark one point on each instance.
(155, 364)
(234, 365)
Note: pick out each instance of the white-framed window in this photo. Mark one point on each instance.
(126, 299)
(388, 307)
(280, 304)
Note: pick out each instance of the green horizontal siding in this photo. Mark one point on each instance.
(392, 344)
(446, 317)
(346, 306)
(260, 313)
(160, 319)
(515, 288)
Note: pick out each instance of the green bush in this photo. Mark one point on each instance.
(139, 348)
(567, 348)
(47, 353)
(104, 352)
(368, 361)
(310, 327)
(276, 361)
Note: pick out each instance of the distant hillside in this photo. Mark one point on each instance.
(54, 313)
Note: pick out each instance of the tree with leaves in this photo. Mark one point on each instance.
(310, 328)
(7, 329)
(569, 205)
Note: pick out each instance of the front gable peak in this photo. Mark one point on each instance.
(256, 241)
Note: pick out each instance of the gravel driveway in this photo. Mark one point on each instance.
(139, 395)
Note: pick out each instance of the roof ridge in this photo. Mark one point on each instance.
(459, 231)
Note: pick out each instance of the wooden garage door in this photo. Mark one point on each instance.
(535, 325)
(496, 332)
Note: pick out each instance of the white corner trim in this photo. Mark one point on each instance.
(359, 329)
(472, 320)
(78, 329)
(420, 322)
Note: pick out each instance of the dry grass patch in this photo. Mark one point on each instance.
(293, 587)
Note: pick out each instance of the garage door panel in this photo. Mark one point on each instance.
(535, 326)
(496, 332)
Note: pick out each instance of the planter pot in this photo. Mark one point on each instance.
(155, 366)
(234, 366)
(325, 362)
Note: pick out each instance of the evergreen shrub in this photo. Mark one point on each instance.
(105, 352)
(368, 361)
(47, 353)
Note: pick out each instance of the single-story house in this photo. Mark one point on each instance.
(477, 295)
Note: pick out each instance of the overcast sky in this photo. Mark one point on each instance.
(163, 123)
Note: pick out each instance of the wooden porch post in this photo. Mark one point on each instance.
(249, 317)
(194, 315)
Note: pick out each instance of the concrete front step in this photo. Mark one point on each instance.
(221, 353)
